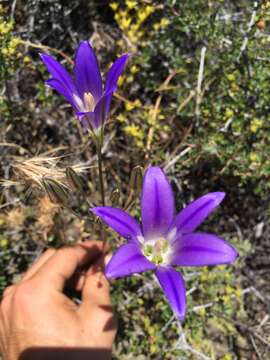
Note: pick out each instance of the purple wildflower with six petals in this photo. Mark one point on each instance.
(90, 101)
(165, 240)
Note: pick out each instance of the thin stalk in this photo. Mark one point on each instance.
(100, 174)
(101, 185)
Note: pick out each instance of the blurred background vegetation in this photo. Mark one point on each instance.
(193, 99)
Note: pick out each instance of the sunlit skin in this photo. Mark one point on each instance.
(38, 321)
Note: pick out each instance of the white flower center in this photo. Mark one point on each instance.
(158, 250)
(87, 104)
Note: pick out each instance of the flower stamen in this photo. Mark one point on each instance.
(89, 101)
(157, 251)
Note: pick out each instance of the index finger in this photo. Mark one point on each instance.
(63, 264)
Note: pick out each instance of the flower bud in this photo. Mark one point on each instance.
(57, 193)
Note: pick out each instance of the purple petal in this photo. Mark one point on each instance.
(61, 81)
(173, 286)
(114, 73)
(62, 90)
(87, 72)
(86, 119)
(199, 249)
(120, 221)
(196, 212)
(157, 203)
(102, 109)
(126, 261)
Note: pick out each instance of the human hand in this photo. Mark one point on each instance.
(38, 321)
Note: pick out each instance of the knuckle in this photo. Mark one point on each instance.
(8, 290)
(5, 304)
(24, 293)
(65, 252)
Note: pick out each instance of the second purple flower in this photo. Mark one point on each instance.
(84, 91)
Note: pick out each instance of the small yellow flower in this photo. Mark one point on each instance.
(153, 349)
(226, 299)
(238, 293)
(114, 6)
(229, 113)
(134, 131)
(134, 69)
(14, 42)
(201, 312)
(231, 77)
(164, 22)
(26, 59)
(4, 51)
(5, 27)
(254, 158)
(227, 357)
(120, 81)
(121, 118)
(129, 106)
(3, 243)
(156, 26)
(125, 22)
(131, 4)
(255, 125)
(144, 13)
(228, 290)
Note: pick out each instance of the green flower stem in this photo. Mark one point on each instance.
(99, 143)
(100, 173)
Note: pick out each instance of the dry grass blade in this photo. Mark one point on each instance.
(33, 171)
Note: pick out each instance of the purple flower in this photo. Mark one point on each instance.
(165, 240)
(84, 91)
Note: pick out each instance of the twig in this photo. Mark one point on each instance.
(45, 47)
(250, 25)
(255, 346)
(204, 306)
(186, 101)
(182, 344)
(199, 94)
(152, 128)
(13, 6)
(176, 158)
(14, 145)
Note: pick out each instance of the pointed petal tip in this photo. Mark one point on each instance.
(84, 42)
(44, 57)
(218, 196)
(173, 285)
(154, 172)
(125, 56)
(119, 220)
(180, 316)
